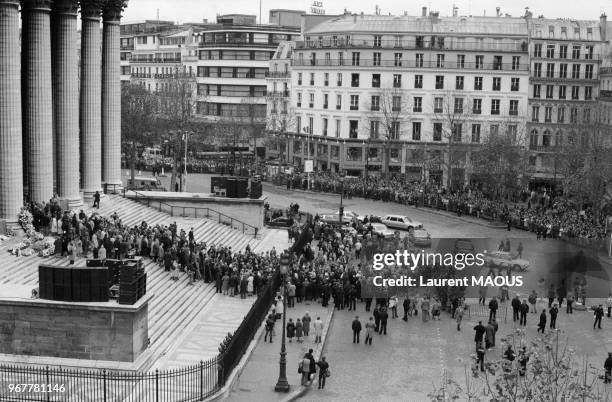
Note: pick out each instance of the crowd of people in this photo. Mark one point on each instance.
(537, 211)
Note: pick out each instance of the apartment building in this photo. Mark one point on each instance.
(566, 70)
(370, 88)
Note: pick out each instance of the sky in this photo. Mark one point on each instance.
(197, 10)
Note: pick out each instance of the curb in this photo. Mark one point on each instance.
(302, 390)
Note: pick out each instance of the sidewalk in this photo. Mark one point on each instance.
(259, 376)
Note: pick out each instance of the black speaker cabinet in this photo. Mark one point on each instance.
(242, 185)
(219, 182)
(232, 188)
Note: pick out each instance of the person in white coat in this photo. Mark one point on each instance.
(318, 329)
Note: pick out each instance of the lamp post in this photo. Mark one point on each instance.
(185, 136)
(282, 385)
(308, 131)
(341, 210)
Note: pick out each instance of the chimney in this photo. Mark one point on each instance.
(424, 12)
(455, 10)
(498, 10)
(603, 22)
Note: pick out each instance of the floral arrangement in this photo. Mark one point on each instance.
(25, 221)
(33, 242)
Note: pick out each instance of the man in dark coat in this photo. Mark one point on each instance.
(406, 306)
(480, 331)
(383, 321)
(608, 368)
(542, 324)
(356, 329)
(493, 309)
(553, 316)
(516, 304)
(599, 312)
(524, 309)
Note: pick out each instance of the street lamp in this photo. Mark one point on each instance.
(308, 130)
(185, 136)
(341, 210)
(282, 385)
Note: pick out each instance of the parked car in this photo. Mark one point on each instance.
(401, 222)
(380, 229)
(281, 222)
(420, 237)
(504, 259)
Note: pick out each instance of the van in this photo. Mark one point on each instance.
(145, 183)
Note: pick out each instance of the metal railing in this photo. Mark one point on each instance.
(198, 212)
(425, 44)
(278, 74)
(156, 60)
(244, 44)
(407, 63)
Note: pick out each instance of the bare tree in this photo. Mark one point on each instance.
(255, 121)
(277, 126)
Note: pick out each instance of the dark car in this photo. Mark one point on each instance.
(281, 222)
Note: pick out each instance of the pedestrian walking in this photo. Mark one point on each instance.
(524, 309)
(370, 328)
(533, 299)
(493, 306)
(459, 317)
(553, 316)
(290, 330)
(609, 303)
(608, 368)
(516, 305)
(599, 313)
(356, 326)
(542, 323)
(96, 203)
(323, 371)
(384, 316)
(480, 353)
(480, 331)
(406, 306)
(318, 329)
(269, 328)
(570, 302)
(306, 324)
(299, 330)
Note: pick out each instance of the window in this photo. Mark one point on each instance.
(338, 125)
(535, 114)
(575, 71)
(299, 78)
(460, 61)
(514, 84)
(376, 59)
(327, 58)
(549, 91)
(475, 133)
(418, 104)
(561, 115)
(420, 42)
(299, 99)
(563, 51)
(550, 70)
(551, 31)
(588, 71)
(312, 79)
(512, 132)
(458, 105)
(586, 115)
(478, 83)
(340, 58)
(537, 50)
(354, 80)
(377, 40)
(355, 59)
(563, 70)
(326, 79)
(494, 130)
(375, 104)
(374, 127)
(437, 131)
(339, 79)
(494, 106)
(397, 80)
(516, 62)
(477, 106)
(311, 100)
(418, 81)
(338, 102)
(536, 90)
(550, 51)
(396, 105)
(563, 32)
(588, 93)
(548, 114)
(576, 52)
(419, 60)
(459, 82)
(439, 82)
(325, 101)
(440, 61)
(513, 107)
(537, 70)
(562, 89)
(438, 105)
(497, 83)
(457, 129)
(395, 130)
(354, 102)
(588, 54)
(575, 92)
(298, 124)
(416, 131)
(375, 80)
(497, 62)
(546, 137)
(324, 127)
(479, 61)
(574, 115)
(398, 59)
(353, 128)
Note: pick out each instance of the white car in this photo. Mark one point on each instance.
(381, 230)
(401, 222)
(350, 215)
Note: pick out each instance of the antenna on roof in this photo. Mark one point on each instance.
(158, 17)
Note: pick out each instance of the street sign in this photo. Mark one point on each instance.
(308, 166)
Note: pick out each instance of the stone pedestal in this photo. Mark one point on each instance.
(66, 99)
(91, 99)
(11, 163)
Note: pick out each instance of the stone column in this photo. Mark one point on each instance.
(91, 98)
(111, 94)
(66, 99)
(37, 102)
(11, 164)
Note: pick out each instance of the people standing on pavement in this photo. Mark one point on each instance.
(570, 303)
(493, 306)
(599, 313)
(96, 203)
(482, 292)
(480, 353)
(608, 368)
(356, 326)
(516, 305)
(459, 317)
(406, 306)
(553, 316)
(609, 303)
(312, 366)
(269, 328)
(542, 323)
(370, 328)
(377, 317)
(384, 316)
(524, 309)
(393, 306)
(323, 371)
(479, 333)
(290, 330)
(306, 324)
(318, 329)
(533, 298)
(523, 359)
(299, 331)
(425, 309)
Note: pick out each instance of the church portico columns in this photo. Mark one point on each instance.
(91, 99)
(11, 164)
(37, 98)
(66, 102)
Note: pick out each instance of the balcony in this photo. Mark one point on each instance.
(126, 47)
(141, 75)
(545, 148)
(583, 57)
(605, 95)
(605, 70)
(278, 74)
(243, 44)
(278, 94)
(556, 77)
(410, 64)
(173, 76)
(519, 47)
(156, 60)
